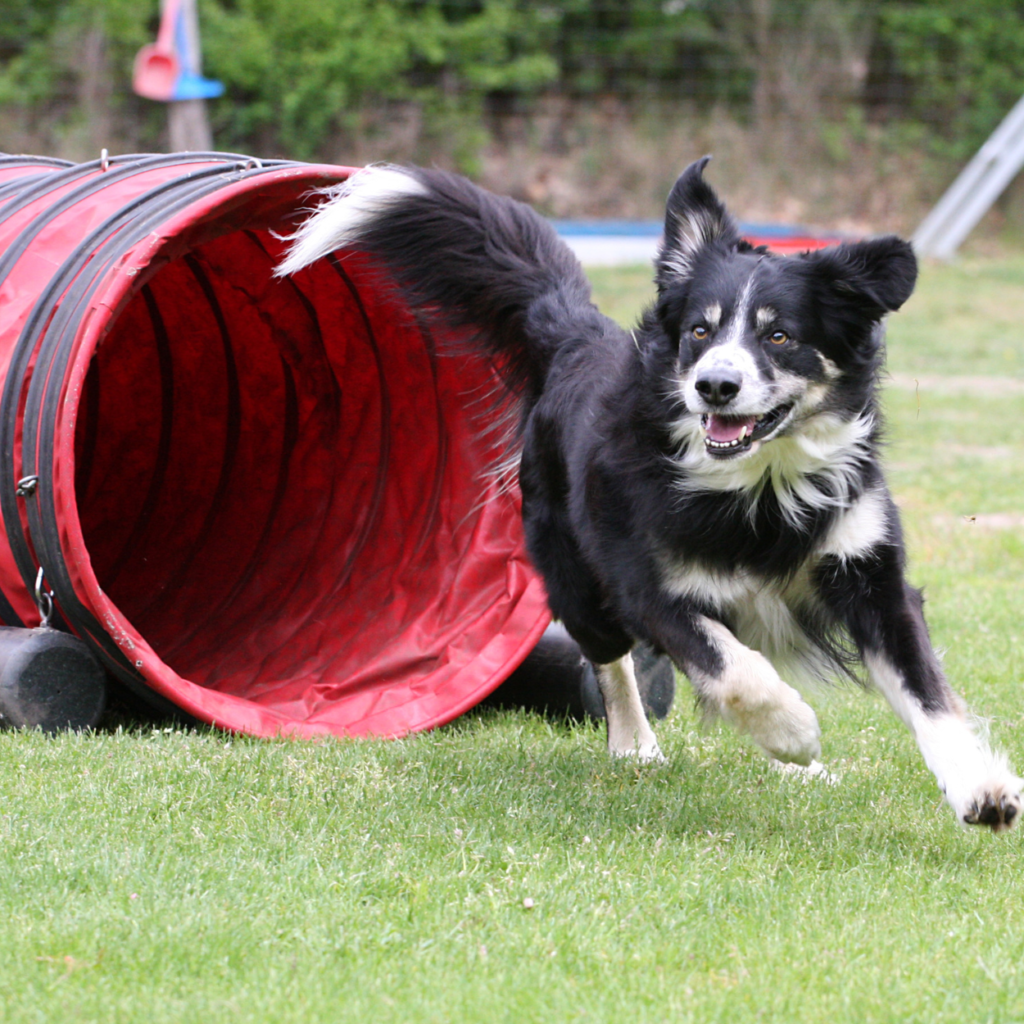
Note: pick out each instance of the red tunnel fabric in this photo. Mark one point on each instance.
(273, 500)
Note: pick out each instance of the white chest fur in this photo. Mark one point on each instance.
(763, 614)
(766, 614)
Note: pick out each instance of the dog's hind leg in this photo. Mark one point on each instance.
(885, 617)
(742, 687)
(629, 732)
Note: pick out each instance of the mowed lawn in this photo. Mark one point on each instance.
(502, 869)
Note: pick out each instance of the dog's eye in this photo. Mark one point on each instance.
(700, 332)
(779, 337)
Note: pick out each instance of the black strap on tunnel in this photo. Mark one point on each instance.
(56, 573)
(85, 251)
(26, 190)
(16, 186)
(47, 385)
(106, 243)
(97, 252)
(38, 186)
(115, 171)
(25, 347)
(30, 163)
(118, 169)
(8, 159)
(7, 613)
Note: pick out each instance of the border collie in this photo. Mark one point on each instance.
(708, 482)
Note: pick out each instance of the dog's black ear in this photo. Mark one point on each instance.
(694, 218)
(877, 275)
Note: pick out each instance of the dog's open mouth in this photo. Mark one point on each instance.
(726, 436)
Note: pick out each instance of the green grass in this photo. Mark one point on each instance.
(168, 875)
(962, 319)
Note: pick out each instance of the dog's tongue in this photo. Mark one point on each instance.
(728, 428)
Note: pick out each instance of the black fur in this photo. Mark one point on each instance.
(601, 505)
(680, 478)
(724, 450)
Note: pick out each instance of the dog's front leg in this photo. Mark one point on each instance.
(741, 686)
(736, 683)
(629, 733)
(886, 620)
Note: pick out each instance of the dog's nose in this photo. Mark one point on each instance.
(717, 387)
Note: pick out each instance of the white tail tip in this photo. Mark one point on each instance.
(348, 210)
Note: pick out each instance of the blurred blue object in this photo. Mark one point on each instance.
(618, 242)
(194, 87)
(191, 85)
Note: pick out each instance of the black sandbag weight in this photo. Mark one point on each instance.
(49, 680)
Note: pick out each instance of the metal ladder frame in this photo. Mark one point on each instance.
(976, 188)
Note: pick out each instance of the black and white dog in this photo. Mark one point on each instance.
(709, 482)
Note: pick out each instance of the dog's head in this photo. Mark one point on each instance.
(766, 344)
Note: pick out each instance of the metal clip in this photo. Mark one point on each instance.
(44, 601)
(252, 164)
(104, 160)
(27, 486)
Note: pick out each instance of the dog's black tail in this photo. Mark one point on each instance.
(477, 261)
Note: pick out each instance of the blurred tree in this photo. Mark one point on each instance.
(66, 64)
(304, 66)
(299, 71)
(953, 66)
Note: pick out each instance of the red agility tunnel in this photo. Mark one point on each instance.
(267, 503)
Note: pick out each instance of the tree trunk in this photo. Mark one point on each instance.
(188, 126)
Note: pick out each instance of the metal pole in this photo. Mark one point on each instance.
(188, 126)
(976, 188)
(187, 123)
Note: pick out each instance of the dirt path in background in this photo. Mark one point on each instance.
(1011, 521)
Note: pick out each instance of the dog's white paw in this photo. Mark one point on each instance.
(996, 804)
(815, 771)
(644, 753)
(785, 727)
(977, 781)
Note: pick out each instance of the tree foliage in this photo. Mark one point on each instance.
(41, 44)
(305, 65)
(297, 71)
(961, 65)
